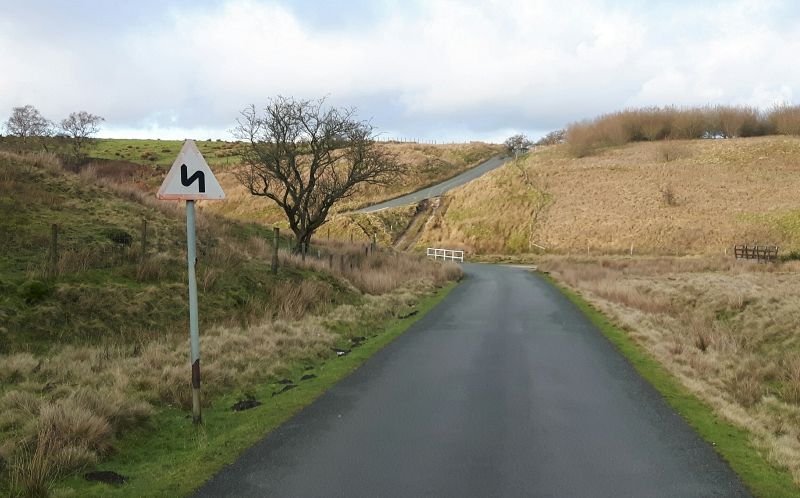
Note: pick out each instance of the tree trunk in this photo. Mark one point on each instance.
(302, 239)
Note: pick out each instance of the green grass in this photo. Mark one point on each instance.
(731, 442)
(170, 457)
(162, 152)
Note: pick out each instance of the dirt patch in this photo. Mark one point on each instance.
(105, 476)
(285, 388)
(245, 404)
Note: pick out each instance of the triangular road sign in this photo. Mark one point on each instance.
(190, 178)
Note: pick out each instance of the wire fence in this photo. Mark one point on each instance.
(70, 249)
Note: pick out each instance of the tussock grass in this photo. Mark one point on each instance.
(725, 329)
(65, 413)
(380, 272)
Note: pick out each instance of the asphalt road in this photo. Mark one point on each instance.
(505, 389)
(439, 189)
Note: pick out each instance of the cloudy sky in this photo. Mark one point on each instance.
(428, 69)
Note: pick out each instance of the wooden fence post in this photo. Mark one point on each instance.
(54, 250)
(276, 240)
(330, 261)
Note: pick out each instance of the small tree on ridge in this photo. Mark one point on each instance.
(79, 129)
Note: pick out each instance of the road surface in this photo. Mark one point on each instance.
(439, 189)
(505, 389)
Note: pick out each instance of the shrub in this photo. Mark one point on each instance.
(668, 195)
(119, 236)
(785, 119)
(689, 124)
(658, 123)
(553, 138)
(793, 255)
(33, 291)
(790, 391)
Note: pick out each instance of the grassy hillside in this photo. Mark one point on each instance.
(93, 343)
(673, 197)
(424, 165)
(100, 265)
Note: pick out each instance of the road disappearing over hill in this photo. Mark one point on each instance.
(440, 188)
(505, 389)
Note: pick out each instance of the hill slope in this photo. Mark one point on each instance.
(683, 197)
(425, 165)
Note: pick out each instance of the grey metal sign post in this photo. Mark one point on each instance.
(191, 179)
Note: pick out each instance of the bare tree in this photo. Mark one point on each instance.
(79, 128)
(553, 138)
(517, 144)
(306, 157)
(27, 122)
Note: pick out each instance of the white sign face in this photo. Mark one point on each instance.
(190, 178)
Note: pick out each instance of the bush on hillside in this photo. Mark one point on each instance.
(661, 123)
(553, 138)
(785, 119)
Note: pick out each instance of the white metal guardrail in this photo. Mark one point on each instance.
(446, 254)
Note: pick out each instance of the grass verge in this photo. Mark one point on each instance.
(731, 442)
(170, 457)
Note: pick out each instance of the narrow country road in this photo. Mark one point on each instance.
(504, 390)
(439, 189)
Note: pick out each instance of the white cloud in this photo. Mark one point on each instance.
(431, 69)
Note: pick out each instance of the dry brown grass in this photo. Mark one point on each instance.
(724, 192)
(498, 212)
(59, 433)
(61, 412)
(380, 271)
(726, 329)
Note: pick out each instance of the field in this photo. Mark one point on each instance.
(725, 329)
(658, 198)
(92, 345)
(161, 153)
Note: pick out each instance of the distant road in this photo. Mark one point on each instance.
(505, 389)
(439, 189)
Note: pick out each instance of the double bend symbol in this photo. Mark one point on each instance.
(197, 176)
